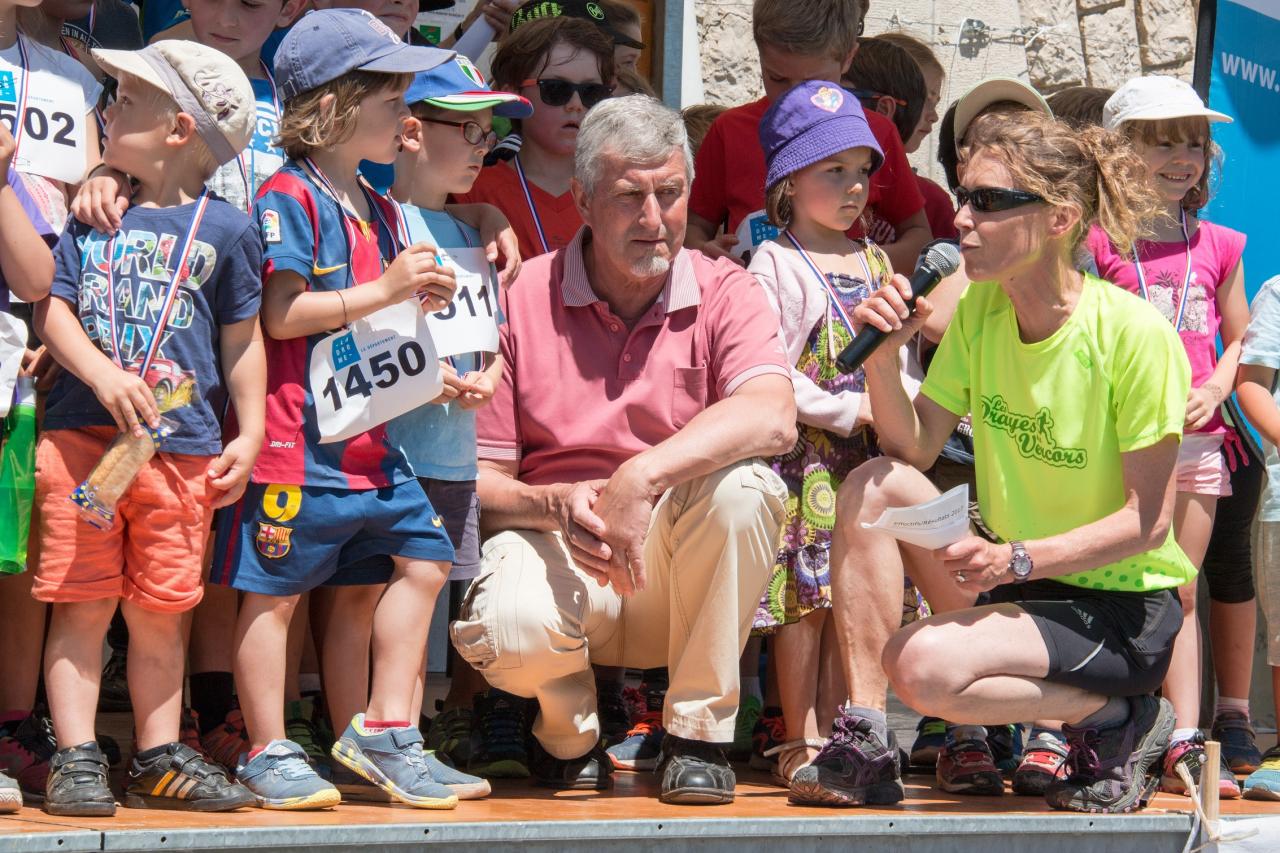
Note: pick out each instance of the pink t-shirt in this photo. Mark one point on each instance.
(581, 393)
(1215, 253)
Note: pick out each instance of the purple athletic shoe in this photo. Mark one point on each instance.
(856, 767)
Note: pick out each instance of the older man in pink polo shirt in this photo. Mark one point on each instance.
(621, 461)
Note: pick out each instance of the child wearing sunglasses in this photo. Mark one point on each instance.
(1192, 272)
(564, 67)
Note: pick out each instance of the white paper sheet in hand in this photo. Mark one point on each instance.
(934, 524)
(469, 323)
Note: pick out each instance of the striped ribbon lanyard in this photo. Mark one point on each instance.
(20, 94)
(533, 209)
(248, 169)
(180, 274)
(833, 299)
(1186, 278)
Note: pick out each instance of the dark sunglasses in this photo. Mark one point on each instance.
(993, 199)
(556, 93)
(471, 131)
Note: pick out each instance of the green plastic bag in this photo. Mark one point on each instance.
(18, 478)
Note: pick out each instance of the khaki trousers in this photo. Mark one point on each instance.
(533, 622)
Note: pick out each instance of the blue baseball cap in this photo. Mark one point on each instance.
(459, 85)
(811, 122)
(328, 43)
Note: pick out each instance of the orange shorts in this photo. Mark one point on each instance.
(152, 556)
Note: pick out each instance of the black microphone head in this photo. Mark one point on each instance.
(942, 255)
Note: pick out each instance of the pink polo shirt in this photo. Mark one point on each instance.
(581, 394)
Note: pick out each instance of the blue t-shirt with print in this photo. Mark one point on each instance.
(223, 286)
(440, 440)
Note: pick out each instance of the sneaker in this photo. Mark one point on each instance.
(613, 711)
(10, 795)
(181, 779)
(227, 742)
(466, 786)
(1239, 745)
(749, 711)
(25, 750)
(393, 760)
(281, 778)
(450, 735)
(1005, 743)
(355, 788)
(770, 732)
(1116, 769)
(77, 784)
(1190, 754)
(967, 767)
(300, 728)
(856, 767)
(590, 772)
(931, 737)
(1264, 783)
(501, 753)
(636, 701)
(640, 749)
(113, 694)
(1044, 760)
(188, 732)
(694, 773)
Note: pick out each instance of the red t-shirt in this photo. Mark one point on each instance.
(728, 184)
(500, 186)
(939, 208)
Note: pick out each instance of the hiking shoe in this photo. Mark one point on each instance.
(966, 767)
(1043, 761)
(1240, 750)
(26, 746)
(770, 732)
(694, 773)
(113, 694)
(854, 768)
(77, 785)
(1264, 783)
(466, 786)
(450, 735)
(227, 742)
(300, 727)
(931, 737)
(1190, 754)
(10, 795)
(180, 778)
(749, 711)
(501, 752)
(613, 711)
(1005, 743)
(640, 749)
(393, 760)
(281, 778)
(590, 772)
(1115, 769)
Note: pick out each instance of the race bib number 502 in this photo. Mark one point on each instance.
(380, 367)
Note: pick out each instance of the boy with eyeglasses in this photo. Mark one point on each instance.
(564, 66)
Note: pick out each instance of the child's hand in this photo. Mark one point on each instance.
(1202, 402)
(414, 272)
(479, 392)
(722, 247)
(454, 386)
(8, 147)
(230, 471)
(102, 200)
(126, 397)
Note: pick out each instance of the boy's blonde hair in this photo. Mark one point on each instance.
(309, 122)
(1079, 105)
(1186, 129)
(698, 120)
(828, 28)
(919, 50)
(201, 158)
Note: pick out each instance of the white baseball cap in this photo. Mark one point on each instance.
(1154, 98)
(207, 84)
(992, 91)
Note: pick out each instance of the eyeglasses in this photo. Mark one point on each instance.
(471, 131)
(993, 199)
(869, 95)
(556, 93)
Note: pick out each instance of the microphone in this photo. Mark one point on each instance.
(938, 260)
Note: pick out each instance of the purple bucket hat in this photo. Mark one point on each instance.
(812, 121)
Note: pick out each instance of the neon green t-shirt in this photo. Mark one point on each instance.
(1051, 419)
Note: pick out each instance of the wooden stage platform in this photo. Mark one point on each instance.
(630, 818)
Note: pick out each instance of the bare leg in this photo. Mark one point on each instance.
(262, 638)
(156, 659)
(1231, 633)
(73, 667)
(797, 647)
(298, 629)
(22, 621)
(832, 690)
(400, 635)
(1192, 524)
(344, 651)
(213, 630)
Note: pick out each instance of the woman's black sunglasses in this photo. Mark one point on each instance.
(556, 93)
(993, 199)
(471, 131)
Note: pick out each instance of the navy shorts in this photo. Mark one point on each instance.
(285, 540)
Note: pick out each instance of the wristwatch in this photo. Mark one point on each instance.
(1021, 564)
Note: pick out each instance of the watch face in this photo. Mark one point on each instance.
(1021, 564)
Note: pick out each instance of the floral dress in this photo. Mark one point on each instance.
(814, 469)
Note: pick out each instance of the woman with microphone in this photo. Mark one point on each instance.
(1078, 393)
